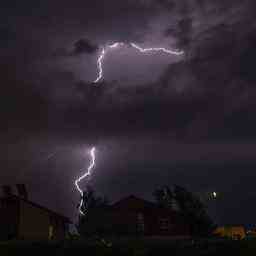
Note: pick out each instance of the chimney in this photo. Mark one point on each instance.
(22, 191)
(7, 190)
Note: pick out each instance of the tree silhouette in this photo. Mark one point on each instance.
(92, 207)
(91, 200)
(164, 197)
(188, 205)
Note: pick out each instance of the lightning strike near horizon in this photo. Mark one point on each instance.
(118, 44)
(87, 174)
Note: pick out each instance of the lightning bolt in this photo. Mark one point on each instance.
(99, 62)
(158, 49)
(85, 175)
(101, 58)
(105, 50)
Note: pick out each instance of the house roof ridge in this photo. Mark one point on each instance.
(39, 206)
(133, 197)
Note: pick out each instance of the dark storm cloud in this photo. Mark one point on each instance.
(84, 46)
(183, 31)
(167, 4)
(80, 47)
(216, 57)
(220, 74)
(121, 20)
(208, 95)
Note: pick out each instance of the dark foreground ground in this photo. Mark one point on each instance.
(127, 247)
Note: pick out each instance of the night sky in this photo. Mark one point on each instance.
(154, 119)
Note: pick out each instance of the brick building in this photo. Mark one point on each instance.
(135, 216)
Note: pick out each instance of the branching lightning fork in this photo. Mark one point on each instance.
(85, 175)
(105, 50)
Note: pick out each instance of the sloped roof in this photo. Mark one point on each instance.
(133, 202)
(38, 206)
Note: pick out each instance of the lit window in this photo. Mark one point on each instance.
(164, 224)
(140, 222)
(50, 234)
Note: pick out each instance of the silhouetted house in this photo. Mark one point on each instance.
(23, 219)
(132, 215)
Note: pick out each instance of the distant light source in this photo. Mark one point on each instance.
(214, 194)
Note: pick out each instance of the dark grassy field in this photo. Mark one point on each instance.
(136, 247)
